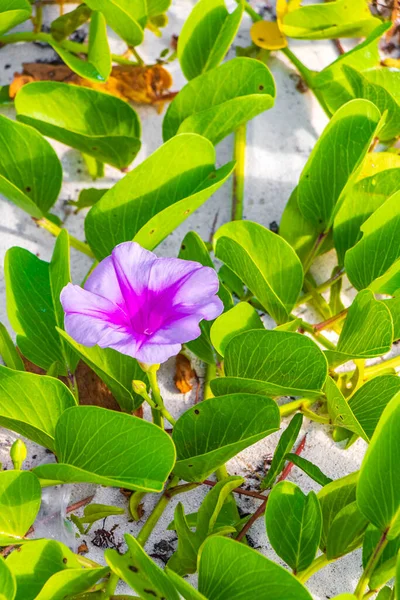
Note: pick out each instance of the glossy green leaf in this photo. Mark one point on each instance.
(87, 198)
(374, 261)
(183, 586)
(157, 7)
(140, 572)
(246, 248)
(125, 17)
(381, 97)
(12, 13)
(379, 179)
(158, 195)
(386, 565)
(32, 404)
(69, 582)
(294, 523)
(385, 593)
(309, 468)
(378, 489)
(206, 36)
(96, 445)
(393, 305)
(93, 513)
(276, 363)
(115, 369)
(327, 171)
(65, 24)
(20, 497)
(35, 187)
(100, 125)
(232, 571)
(285, 444)
(241, 317)
(184, 560)
(341, 18)
(8, 586)
(207, 435)
(367, 331)
(333, 498)
(340, 411)
(8, 351)
(215, 103)
(346, 531)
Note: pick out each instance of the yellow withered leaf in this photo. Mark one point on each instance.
(267, 35)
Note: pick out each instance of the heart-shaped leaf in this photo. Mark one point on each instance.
(378, 488)
(35, 187)
(12, 13)
(367, 331)
(126, 18)
(8, 586)
(207, 435)
(232, 571)
(96, 445)
(218, 101)
(346, 531)
(374, 261)
(113, 139)
(241, 317)
(158, 195)
(206, 36)
(140, 572)
(332, 20)
(20, 497)
(246, 248)
(327, 171)
(32, 404)
(276, 363)
(294, 523)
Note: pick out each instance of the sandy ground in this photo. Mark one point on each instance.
(278, 144)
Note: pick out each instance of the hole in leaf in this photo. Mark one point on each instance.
(197, 412)
(260, 87)
(133, 569)
(28, 189)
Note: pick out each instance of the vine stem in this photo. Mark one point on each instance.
(320, 288)
(316, 335)
(156, 402)
(326, 324)
(74, 47)
(111, 586)
(239, 156)
(261, 509)
(55, 230)
(318, 563)
(375, 556)
(210, 374)
(290, 407)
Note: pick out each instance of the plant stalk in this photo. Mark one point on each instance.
(156, 401)
(238, 174)
(373, 370)
(55, 230)
(210, 374)
(318, 563)
(326, 324)
(375, 556)
(111, 586)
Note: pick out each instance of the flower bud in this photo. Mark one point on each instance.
(139, 387)
(18, 454)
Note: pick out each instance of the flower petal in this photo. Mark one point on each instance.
(132, 265)
(103, 281)
(153, 354)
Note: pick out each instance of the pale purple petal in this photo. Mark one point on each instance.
(153, 354)
(103, 281)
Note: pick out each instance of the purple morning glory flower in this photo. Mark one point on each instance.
(141, 305)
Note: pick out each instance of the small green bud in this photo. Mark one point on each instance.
(139, 387)
(18, 454)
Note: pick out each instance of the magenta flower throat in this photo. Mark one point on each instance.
(141, 305)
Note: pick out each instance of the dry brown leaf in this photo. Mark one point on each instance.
(142, 85)
(83, 548)
(184, 374)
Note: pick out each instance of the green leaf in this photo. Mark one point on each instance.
(241, 317)
(115, 369)
(20, 497)
(333, 498)
(206, 36)
(378, 180)
(346, 531)
(158, 195)
(12, 13)
(8, 351)
(386, 565)
(157, 7)
(328, 21)
(30, 308)
(207, 435)
(294, 523)
(8, 587)
(340, 411)
(393, 305)
(367, 331)
(385, 594)
(381, 97)
(35, 187)
(246, 248)
(96, 512)
(87, 198)
(184, 560)
(327, 171)
(276, 363)
(232, 571)
(215, 103)
(370, 400)
(140, 572)
(285, 444)
(69, 582)
(374, 261)
(100, 125)
(184, 588)
(96, 445)
(32, 404)
(309, 468)
(378, 489)
(125, 17)
(65, 24)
